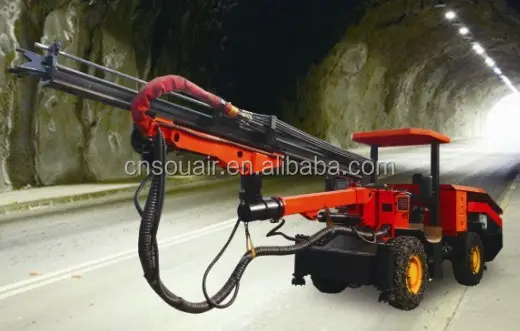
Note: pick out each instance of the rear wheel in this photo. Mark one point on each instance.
(410, 275)
(467, 262)
(327, 285)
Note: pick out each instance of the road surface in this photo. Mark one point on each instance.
(79, 270)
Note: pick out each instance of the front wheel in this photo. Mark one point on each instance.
(467, 262)
(410, 274)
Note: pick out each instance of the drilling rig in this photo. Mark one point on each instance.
(405, 231)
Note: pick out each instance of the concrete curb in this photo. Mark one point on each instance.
(28, 209)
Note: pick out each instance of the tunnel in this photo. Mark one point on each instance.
(329, 68)
(422, 239)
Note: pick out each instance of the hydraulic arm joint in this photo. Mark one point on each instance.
(253, 206)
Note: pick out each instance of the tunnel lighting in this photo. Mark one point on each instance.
(451, 15)
(463, 30)
(509, 84)
(478, 48)
(490, 62)
(505, 79)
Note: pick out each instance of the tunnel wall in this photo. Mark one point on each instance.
(402, 65)
(330, 68)
(49, 137)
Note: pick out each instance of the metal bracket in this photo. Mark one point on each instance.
(39, 66)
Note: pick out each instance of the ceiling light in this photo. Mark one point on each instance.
(490, 62)
(479, 49)
(464, 31)
(497, 71)
(451, 15)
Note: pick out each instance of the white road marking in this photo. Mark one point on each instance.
(55, 276)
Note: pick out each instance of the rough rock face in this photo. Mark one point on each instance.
(403, 66)
(49, 137)
(328, 67)
(53, 137)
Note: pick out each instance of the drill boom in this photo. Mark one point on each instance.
(256, 131)
(248, 142)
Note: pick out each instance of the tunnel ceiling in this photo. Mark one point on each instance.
(251, 51)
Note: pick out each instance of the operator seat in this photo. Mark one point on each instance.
(421, 199)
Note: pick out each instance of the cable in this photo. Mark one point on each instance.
(149, 252)
(138, 192)
(274, 232)
(208, 269)
(369, 241)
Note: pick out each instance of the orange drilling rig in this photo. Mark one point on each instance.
(402, 233)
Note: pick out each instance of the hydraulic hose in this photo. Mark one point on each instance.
(173, 83)
(149, 251)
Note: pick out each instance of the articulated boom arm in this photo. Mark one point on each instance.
(246, 142)
(247, 161)
(208, 118)
(230, 155)
(310, 204)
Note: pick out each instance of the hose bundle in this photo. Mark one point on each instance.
(149, 251)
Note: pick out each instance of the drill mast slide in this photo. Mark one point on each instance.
(209, 116)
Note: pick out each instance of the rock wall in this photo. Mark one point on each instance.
(402, 65)
(49, 137)
(80, 140)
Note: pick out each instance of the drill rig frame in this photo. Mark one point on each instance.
(404, 233)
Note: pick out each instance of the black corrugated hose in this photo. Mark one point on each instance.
(149, 251)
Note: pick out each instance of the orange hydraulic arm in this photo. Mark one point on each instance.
(310, 204)
(245, 160)
(307, 205)
(228, 154)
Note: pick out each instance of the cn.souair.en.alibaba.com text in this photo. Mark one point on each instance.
(285, 167)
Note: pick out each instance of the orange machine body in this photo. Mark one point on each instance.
(458, 202)
(377, 208)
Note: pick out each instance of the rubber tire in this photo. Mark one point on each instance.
(461, 262)
(403, 248)
(328, 286)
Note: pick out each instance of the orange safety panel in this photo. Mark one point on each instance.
(402, 215)
(453, 211)
(461, 211)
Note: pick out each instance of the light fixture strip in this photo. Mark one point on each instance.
(477, 47)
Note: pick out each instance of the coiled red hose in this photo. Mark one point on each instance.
(172, 83)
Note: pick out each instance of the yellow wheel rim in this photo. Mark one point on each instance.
(414, 274)
(474, 257)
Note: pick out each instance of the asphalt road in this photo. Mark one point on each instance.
(80, 271)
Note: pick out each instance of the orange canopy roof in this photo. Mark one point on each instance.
(400, 137)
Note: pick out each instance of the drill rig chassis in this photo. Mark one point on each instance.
(395, 237)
